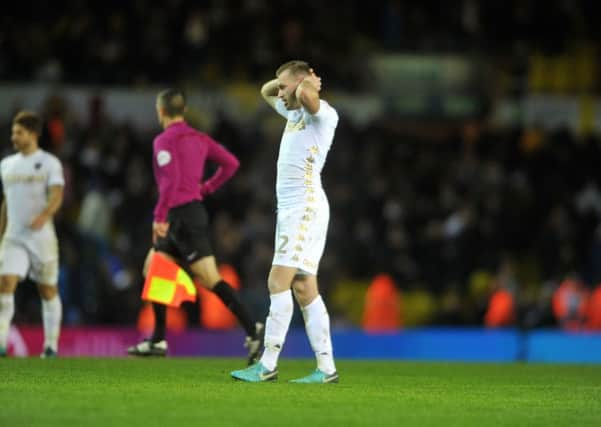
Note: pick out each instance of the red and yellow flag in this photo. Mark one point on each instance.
(167, 283)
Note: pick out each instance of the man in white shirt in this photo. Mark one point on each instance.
(302, 221)
(33, 182)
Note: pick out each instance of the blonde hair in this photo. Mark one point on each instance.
(296, 67)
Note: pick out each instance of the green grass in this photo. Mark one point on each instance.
(199, 392)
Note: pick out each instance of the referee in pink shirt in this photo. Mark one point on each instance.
(180, 229)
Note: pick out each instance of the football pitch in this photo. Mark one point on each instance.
(199, 392)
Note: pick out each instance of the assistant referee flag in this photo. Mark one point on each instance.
(167, 283)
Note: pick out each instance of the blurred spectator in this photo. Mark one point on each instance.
(570, 304)
(382, 312)
(594, 310)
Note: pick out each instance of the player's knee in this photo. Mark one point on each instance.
(280, 279)
(305, 291)
(8, 284)
(208, 281)
(302, 295)
(276, 285)
(299, 288)
(47, 292)
(205, 270)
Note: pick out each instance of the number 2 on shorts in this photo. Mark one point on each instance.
(283, 242)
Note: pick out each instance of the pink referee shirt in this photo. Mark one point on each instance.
(179, 156)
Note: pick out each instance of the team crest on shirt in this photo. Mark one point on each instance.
(295, 126)
(37, 166)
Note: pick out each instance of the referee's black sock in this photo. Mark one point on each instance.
(160, 322)
(230, 298)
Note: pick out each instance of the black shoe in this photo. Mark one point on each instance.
(253, 344)
(48, 353)
(148, 348)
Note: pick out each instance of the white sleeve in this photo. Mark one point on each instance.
(55, 173)
(326, 115)
(281, 108)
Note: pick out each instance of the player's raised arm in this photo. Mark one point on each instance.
(307, 92)
(269, 92)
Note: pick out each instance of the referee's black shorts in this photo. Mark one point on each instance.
(188, 237)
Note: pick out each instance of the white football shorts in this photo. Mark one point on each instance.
(300, 236)
(36, 259)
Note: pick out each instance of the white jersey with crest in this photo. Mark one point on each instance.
(304, 147)
(303, 212)
(25, 182)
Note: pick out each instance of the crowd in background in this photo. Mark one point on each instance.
(451, 218)
(137, 42)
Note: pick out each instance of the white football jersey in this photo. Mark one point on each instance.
(304, 147)
(25, 182)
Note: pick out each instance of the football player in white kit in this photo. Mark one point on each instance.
(32, 182)
(302, 221)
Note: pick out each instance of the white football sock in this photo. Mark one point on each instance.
(7, 310)
(317, 324)
(52, 311)
(276, 327)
